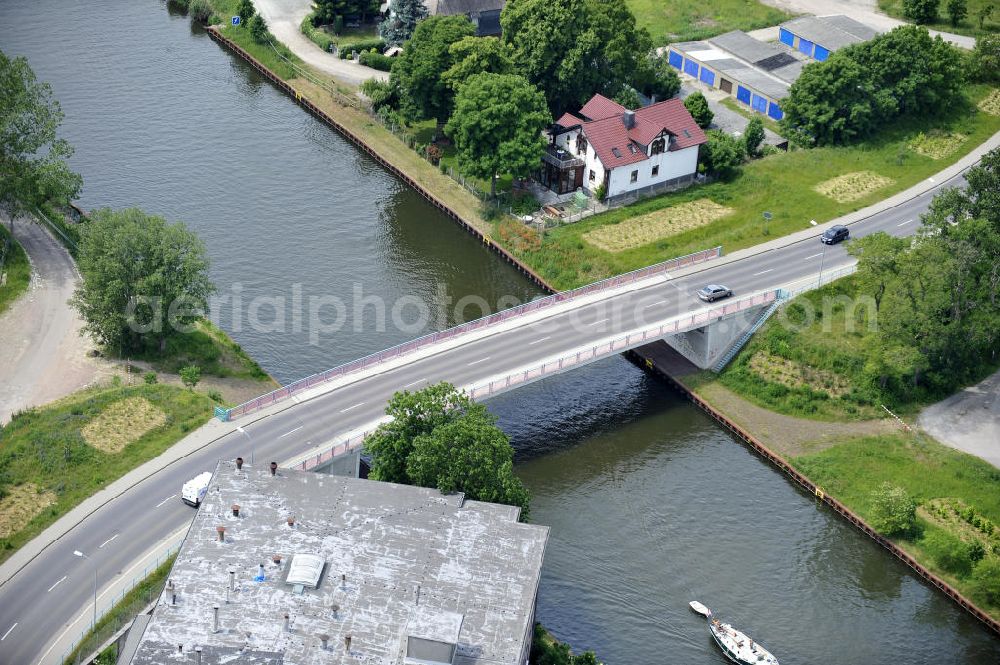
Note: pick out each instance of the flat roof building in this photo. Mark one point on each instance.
(819, 36)
(306, 568)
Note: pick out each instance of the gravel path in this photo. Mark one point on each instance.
(43, 356)
(969, 420)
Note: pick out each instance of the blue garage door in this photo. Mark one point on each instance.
(691, 67)
(759, 104)
(675, 59)
(806, 46)
(786, 37)
(821, 53)
(774, 111)
(743, 94)
(707, 76)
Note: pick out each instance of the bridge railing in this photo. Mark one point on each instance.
(554, 366)
(391, 353)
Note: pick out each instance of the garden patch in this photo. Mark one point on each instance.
(655, 225)
(794, 375)
(21, 505)
(852, 186)
(937, 143)
(121, 423)
(991, 103)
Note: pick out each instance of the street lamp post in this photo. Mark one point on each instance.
(819, 281)
(81, 554)
(249, 439)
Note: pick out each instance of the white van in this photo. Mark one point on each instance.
(195, 489)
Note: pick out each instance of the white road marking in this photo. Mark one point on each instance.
(658, 302)
(414, 383)
(8, 632)
(813, 256)
(291, 432)
(172, 496)
(56, 584)
(597, 323)
(240, 429)
(904, 223)
(476, 362)
(109, 540)
(931, 179)
(539, 340)
(763, 272)
(351, 407)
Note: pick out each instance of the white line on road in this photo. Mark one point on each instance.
(414, 383)
(291, 432)
(56, 584)
(763, 272)
(172, 496)
(110, 539)
(904, 223)
(658, 302)
(813, 256)
(351, 407)
(539, 340)
(597, 323)
(476, 362)
(8, 632)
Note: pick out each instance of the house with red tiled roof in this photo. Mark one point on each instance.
(651, 149)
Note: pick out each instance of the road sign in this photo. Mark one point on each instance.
(767, 215)
(236, 20)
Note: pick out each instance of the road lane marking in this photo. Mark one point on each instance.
(414, 383)
(351, 407)
(110, 539)
(658, 302)
(763, 272)
(813, 256)
(597, 323)
(905, 223)
(172, 496)
(56, 584)
(539, 340)
(291, 432)
(8, 632)
(476, 362)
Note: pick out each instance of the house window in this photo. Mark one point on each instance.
(658, 146)
(635, 176)
(656, 170)
(592, 175)
(581, 145)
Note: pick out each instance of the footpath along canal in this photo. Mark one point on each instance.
(651, 504)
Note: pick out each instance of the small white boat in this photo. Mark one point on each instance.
(738, 647)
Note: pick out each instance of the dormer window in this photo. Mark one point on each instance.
(616, 152)
(631, 148)
(581, 145)
(658, 146)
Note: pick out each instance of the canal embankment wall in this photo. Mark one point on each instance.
(651, 357)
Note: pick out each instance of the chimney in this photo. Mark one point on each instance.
(172, 592)
(180, 648)
(239, 463)
(215, 618)
(347, 643)
(343, 581)
(274, 468)
(197, 655)
(291, 520)
(334, 608)
(418, 594)
(222, 533)
(276, 559)
(628, 119)
(324, 638)
(288, 623)
(236, 510)
(232, 579)
(260, 572)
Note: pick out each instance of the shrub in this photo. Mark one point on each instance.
(985, 59)
(753, 136)
(951, 554)
(600, 191)
(697, 106)
(190, 375)
(375, 60)
(361, 46)
(987, 579)
(957, 11)
(893, 512)
(723, 155)
(381, 93)
(338, 24)
(317, 37)
(258, 29)
(215, 396)
(200, 10)
(149, 378)
(921, 11)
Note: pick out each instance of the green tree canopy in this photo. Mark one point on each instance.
(327, 10)
(987, 578)
(402, 20)
(957, 11)
(893, 511)
(985, 59)
(753, 136)
(830, 102)
(439, 438)
(723, 153)
(245, 10)
(497, 126)
(419, 70)
(921, 11)
(143, 280)
(656, 78)
(33, 166)
(478, 55)
(697, 106)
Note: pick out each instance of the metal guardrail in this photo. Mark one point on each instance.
(394, 352)
(554, 366)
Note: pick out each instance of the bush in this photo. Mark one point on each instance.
(985, 59)
(921, 11)
(258, 29)
(893, 512)
(317, 37)
(215, 396)
(381, 93)
(375, 60)
(697, 106)
(951, 554)
(190, 375)
(361, 46)
(723, 154)
(987, 579)
(200, 10)
(149, 378)
(601, 191)
(753, 136)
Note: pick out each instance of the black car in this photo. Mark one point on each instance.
(835, 234)
(713, 292)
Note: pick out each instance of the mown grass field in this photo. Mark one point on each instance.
(970, 26)
(782, 184)
(927, 470)
(16, 267)
(684, 20)
(45, 448)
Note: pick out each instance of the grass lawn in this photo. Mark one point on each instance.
(782, 184)
(685, 20)
(927, 470)
(209, 348)
(47, 467)
(970, 26)
(223, 11)
(16, 268)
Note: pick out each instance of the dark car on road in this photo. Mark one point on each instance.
(713, 292)
(835, 234)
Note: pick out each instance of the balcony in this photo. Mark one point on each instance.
(559, 158)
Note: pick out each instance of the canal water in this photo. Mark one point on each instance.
(650, 504)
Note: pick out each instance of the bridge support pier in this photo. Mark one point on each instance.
(705, 346)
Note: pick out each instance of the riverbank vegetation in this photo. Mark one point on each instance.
(438, 437)
(15, 270)
(54, 457)
(547, 650)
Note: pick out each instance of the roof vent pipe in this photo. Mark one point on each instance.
(343, 580)
(215, 618)
(260, 573)
(197, 655)
(232, 579)
(288, 623)
(628, 119)
(239, 463)
(324, 639)
(347, 643)
(274, 468)
(222, 533)
(334, 608)
(236, 510)
(291, 520)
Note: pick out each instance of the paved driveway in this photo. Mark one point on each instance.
(969, 420)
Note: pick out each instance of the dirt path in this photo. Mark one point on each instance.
(969, 420)
(787, 435)
(42, 354)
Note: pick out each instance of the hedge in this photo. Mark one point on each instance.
(360, 46)
(376, 61)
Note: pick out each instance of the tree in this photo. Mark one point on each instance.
(657, 79)
(984, 13)
(878, 257)
(697, 106)
(258, 29)
(723, 153)
(419, 70)
(402, 20)
(985, 59)
(142, 280)
(478, 55)
(628, 97)
(893, 512)
(921, 11)
(957, 11)
(245, 10)
(33, 166)
(380, 92)
(987, 578)
(190, 376)
(830, 102)
(753, 136)
(326, 11)
(497, 126)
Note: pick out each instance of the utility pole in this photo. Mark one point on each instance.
(81, 554)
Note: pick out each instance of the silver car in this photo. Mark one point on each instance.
(713, 292)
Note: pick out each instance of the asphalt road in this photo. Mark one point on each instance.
(56, 587)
